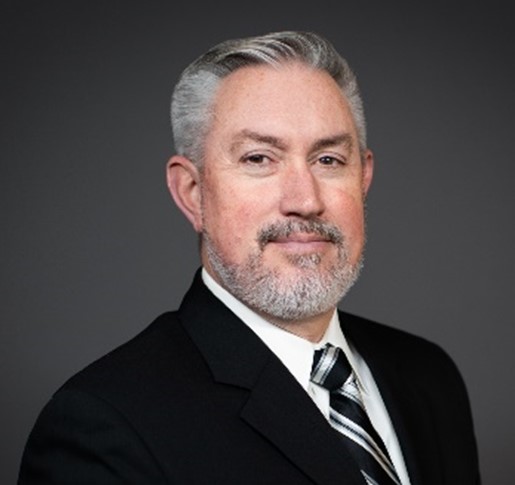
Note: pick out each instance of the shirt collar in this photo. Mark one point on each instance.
(295, 352)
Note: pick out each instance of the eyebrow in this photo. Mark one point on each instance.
(245, 135)
(339, 139)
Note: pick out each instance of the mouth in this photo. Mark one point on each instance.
(301, 242)
(301, 238)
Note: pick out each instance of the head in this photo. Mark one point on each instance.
(272, 170)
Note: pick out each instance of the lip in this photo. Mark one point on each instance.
(302, 238)
(301, 242)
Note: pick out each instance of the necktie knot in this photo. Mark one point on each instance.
(330, 369)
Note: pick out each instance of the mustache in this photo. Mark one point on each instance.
(283, 229)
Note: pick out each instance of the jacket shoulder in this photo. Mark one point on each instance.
(147, 359)
(416, 355)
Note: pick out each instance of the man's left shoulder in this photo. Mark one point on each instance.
(361, 327)
(396, 345)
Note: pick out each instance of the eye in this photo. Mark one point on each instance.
(257, 164)
(330, 161)
(256, 159)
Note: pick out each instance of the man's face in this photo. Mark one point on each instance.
(282, 191)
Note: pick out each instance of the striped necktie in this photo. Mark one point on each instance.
(332, 370)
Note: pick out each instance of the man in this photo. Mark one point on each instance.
(257, 379)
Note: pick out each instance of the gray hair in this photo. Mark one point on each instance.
(193, 96)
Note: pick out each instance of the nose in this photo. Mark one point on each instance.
(301, 192)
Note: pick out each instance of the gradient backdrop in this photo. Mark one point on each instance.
(92, 248)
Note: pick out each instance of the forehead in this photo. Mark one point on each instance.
(289, 100)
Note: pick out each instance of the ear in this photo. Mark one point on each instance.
(368, 170)
(183, 180)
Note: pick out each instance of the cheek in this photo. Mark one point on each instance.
(348, 214)
(231, 219)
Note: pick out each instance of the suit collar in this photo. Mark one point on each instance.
(233, 353)
(277, 407)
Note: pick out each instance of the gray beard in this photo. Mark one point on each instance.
(311, 292)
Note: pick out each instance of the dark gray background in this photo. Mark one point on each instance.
(93, 248)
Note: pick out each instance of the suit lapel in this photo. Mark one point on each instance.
(281, 410)
(277, 408)
(404, 398)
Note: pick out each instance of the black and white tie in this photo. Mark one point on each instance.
(332, 370)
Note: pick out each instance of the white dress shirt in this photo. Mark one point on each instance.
(297, 355)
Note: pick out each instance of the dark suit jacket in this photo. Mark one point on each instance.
(197, 398)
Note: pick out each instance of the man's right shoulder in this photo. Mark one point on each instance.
(144, 360)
